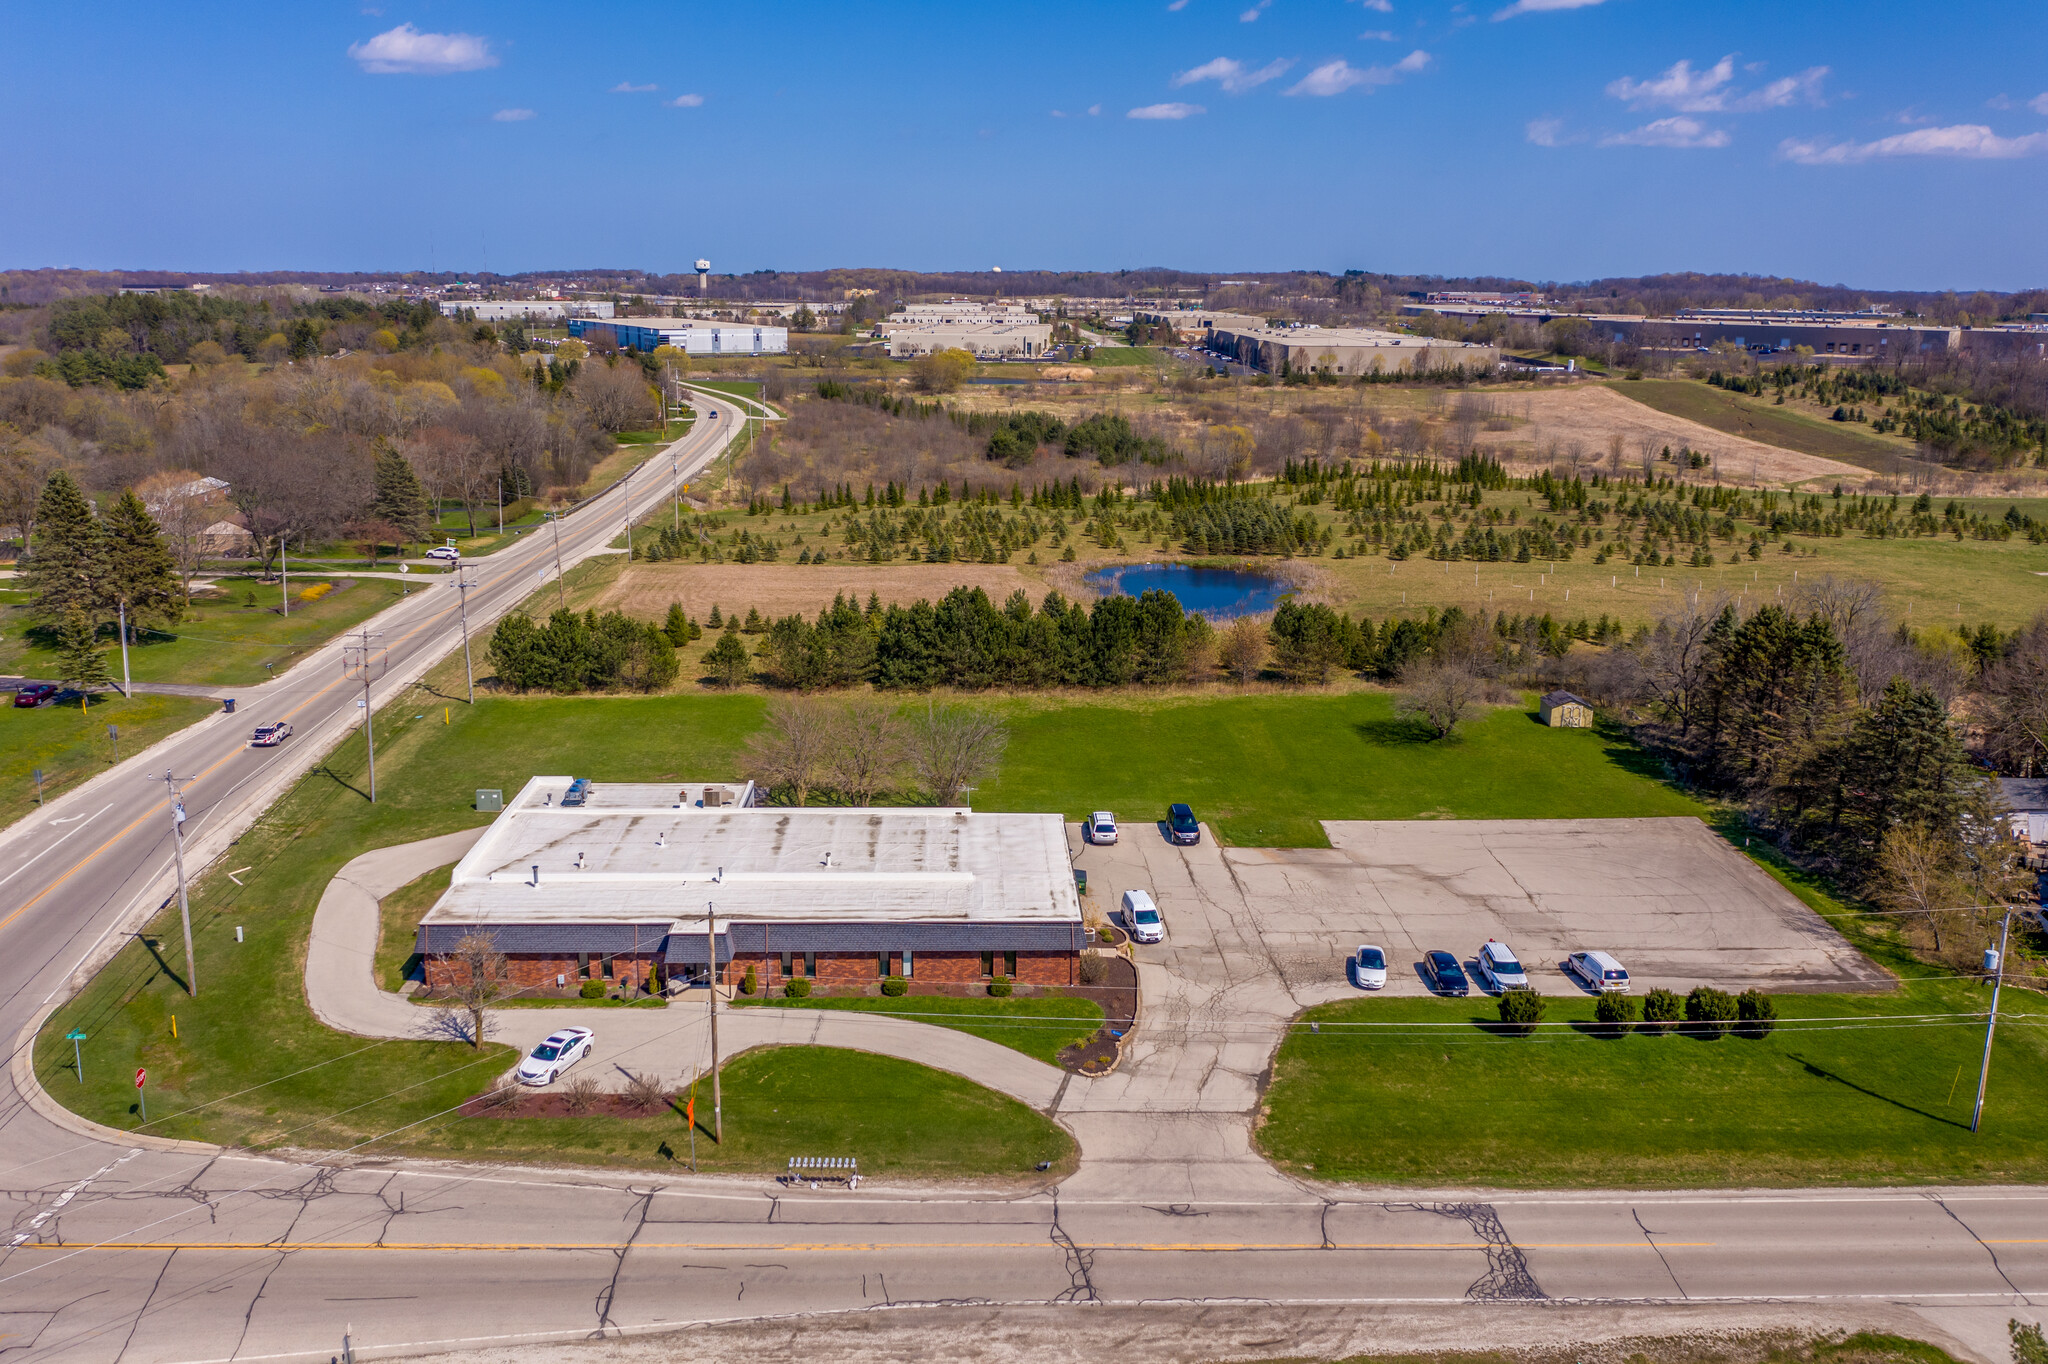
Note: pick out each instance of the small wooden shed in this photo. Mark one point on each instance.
(1562, 710)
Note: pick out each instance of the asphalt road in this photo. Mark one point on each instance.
(117, 1251)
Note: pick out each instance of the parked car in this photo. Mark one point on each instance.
(1498, 969)
(560, 1051)
(1444, 975)
(270, 736)
(1597, 971)
(1182, 826)
(1142, 917)
(446, 552)
(1369, 968)
(1099, 827)
(36, 694)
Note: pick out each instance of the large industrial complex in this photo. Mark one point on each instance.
(693, 338)
(619, 888)
(1347, 350)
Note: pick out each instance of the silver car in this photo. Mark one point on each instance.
(556, 1054)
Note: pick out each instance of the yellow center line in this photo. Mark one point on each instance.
(844, 1247)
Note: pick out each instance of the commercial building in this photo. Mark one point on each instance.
(695, 338)
(957, 312)
(1852, 336)
(1347, 350)
(987, 340)
(523, 309)
(618, 888)
(1195, 324)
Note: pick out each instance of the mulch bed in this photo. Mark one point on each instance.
(1118, 997)
(555, 1104)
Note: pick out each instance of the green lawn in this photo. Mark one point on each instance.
(1761, 420)
(72, 747)
(1264, 769)
(225, 639)
(1125, 355)
(1040, 1026)
(398, 917)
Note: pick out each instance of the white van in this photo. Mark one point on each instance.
(1142, 918)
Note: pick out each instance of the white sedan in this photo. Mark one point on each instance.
(1099, 827)
(560, 1051)
(1369, 968)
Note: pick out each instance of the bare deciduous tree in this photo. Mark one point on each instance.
(184, 505)
(952, 748)
(792, 752)
(482, 978)
(617, 396)
(1243, 648)
(867, 749)
(1439, 693)
(2018, 687)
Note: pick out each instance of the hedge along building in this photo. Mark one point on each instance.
(617, 889)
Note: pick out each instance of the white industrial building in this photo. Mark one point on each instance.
(523, 309)
(1348, 350)
(956, 313)
(692, 338)
(985, 340)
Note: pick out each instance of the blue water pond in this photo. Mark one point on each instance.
(1218, 593)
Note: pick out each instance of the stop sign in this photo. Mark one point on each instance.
(139, 1073)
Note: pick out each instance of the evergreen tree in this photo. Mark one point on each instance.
(728, 660)
(141, 572)
(401, 498)
(66, 568)
(677, 625)
(80, 663)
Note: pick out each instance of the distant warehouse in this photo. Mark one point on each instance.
(986, 340)
(617, 888)
(517, 309)
(1348, 350)
(694, 338)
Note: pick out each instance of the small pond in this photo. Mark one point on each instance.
(1218, 593)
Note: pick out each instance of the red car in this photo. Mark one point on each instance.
(270, 736)
(36, 695)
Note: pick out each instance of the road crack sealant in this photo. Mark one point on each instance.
(1080, 1264)
(1507, 1277)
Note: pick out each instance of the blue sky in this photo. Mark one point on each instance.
(1900, 145)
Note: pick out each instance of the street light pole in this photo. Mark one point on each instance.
(463, 583)
(1990, 1024)
(284, 569)
(178, 855)
(711, 954)
(127, 688)
(555, 520)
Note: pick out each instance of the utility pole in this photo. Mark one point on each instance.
(126, 686)
(501, 503)
(178, 855)
(675, 485)
(1984, 1075)
(463, 582)
(357, 660)
(555, 520)
(284, 569)
(711, 955)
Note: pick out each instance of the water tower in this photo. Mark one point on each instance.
(703, 278)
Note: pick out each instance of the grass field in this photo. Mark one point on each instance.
(225, 639)
(1125, 355)
(1850, 1089)
(71, 747)
(1040, 1026)
(398, 916)
(1760, 419)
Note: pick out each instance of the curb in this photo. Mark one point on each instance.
(22, 1071)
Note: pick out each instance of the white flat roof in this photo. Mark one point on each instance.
(646, 852)
(1337, 336)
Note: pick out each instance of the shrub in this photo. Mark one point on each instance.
(800, 988)
(1094, 968)
(1520, 1012)
(751, 984)
(1615, 1012)
(316, 592)
(894, 986)
(592, 989)
(1757, 1012)
(647, 1092)
(580, 1094)
(1106, 933)
(1661, 1009)
(999, 986)
(1709, 1012)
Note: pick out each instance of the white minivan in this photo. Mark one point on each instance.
(1142, 917)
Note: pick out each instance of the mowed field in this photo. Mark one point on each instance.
(1593, 414)
(645, 590)
(1760, 420)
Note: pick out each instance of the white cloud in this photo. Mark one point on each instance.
(1710, 91)
(2039, 104)
(1233, 75)
(1335, 77)
(1383, 6)
(1542, 7)
(1253, 13)
(1167, 111)
(684, 102)
(1669, 132)
(628, 88)
(1545, 132)
(1964, 141)
(1177, 6)
(512, 116)
(1377, 35)
(407, 51)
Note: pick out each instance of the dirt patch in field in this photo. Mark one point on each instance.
(1591, 416)
(645, 590)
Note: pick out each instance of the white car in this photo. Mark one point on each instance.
(1369, 967)
(1142, 917)
(560, 1051)
(1099, 827)
(1498, 969)
(446, 553)
(1597, 971)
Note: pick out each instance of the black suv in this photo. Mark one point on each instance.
(1182, 825)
